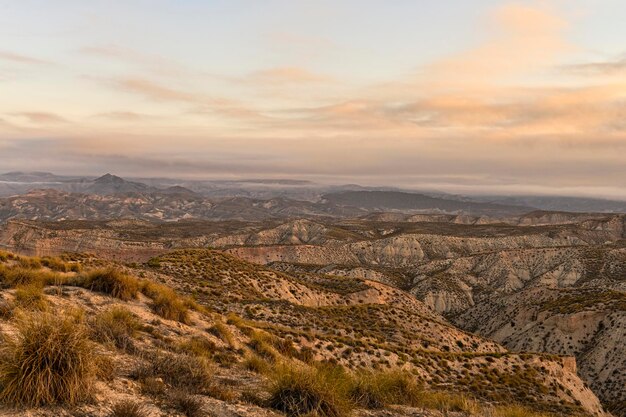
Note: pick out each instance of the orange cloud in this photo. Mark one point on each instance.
(287, 75)
(520, 39)
(40, 117)
(123, 116)
(154, 91)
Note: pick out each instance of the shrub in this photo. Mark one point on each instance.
(514, 411)
(49, 360)
(444, 401)
(166, 303)
(297, 390)
(112, 282)
(187, 404)
(262, 343)
(31, 263)
(14, 276)
(221, 330)
(6, 308)
(154, 263)
(235, 320)
(128, 408)
(60, 265)
(377, 389)
(116, 326)
(31, 297)
(255, 363)
(180, 371)
(199, 346)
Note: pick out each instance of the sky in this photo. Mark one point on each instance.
(470, 96)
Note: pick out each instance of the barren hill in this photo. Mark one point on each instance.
(201, 330)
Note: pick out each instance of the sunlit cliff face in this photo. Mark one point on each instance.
(467, 96)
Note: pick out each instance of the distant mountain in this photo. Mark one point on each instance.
(370, 198)
(179, 191)
(112, 184)
(401, 201)
(556, 203)
(19, 176)
(114, 199)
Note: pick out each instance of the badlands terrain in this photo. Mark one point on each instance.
(430, 307)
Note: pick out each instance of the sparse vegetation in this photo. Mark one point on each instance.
(255, 363)
(116, 326)
(128, 408)
(110, 281)
(169, 306)
(186, 404)
(362, 346)
(181, 371)
(377, 389)
(298, 390)
(30, 297)
(219, 329)
(19, 275)
(49, 360)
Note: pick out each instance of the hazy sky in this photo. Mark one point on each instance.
(460, 95)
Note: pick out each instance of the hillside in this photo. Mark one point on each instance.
(542, 282)
(232, 333)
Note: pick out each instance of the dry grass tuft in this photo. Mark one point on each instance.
(180, 371)
(128, 408)
(446, 401)
(377, 389)
(16, 275)
(297, 390)
(50, 360)
(166, 302)
(198, 345)
(31, 297)
(186, 404)
(110, 281)
(116, 326)
(6, 308)
(60, 265)
(255, 363)
(513, 411)
(221, 330)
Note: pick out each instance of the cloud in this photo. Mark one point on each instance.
(21, 59)
(197, 102)
(40, 117)
(154, 91)
(291, 75)
(490, 115)
(608, 67)
(519, 39)
(153, 63)
(123, 116)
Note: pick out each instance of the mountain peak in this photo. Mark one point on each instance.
(109, 179)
